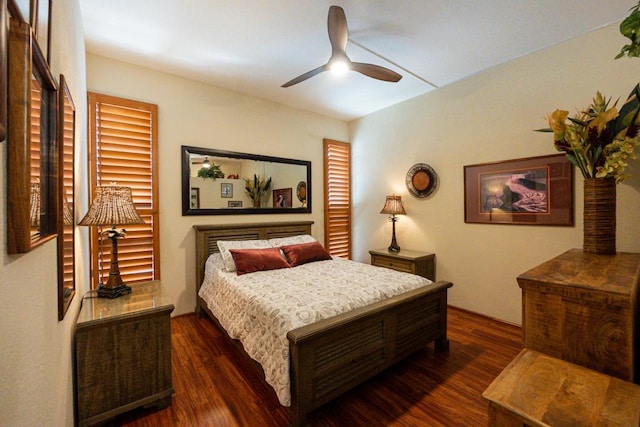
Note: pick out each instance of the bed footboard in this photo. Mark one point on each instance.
(336, 354)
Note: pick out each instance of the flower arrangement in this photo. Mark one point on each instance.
(212, 172)
(600, 140)
(256, 188)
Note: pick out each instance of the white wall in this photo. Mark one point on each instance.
(196, 114)
(487, 117)
(36, 387)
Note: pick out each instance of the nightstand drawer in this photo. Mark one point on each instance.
(406, 261)
(395, 264)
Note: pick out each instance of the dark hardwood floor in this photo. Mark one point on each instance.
(216, 387)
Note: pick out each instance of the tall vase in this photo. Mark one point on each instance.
(600, 215)
(256, 203)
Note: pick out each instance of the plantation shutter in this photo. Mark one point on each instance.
(66, 162)
(123, 150)
(337, 201)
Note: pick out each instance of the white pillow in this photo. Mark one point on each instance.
(214, 262)
(225, 245)
(291, 240)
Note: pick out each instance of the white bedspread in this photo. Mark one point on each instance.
(260, 308)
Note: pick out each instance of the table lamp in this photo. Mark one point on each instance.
(112, 206)
(393, 206)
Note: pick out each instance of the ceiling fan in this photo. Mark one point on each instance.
(338, 36)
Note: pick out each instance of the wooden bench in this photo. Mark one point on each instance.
(536, 389)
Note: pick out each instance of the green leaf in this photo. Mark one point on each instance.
(573, 160)
(630, 27)
(628, 114)
(543, 130)
(577, 122)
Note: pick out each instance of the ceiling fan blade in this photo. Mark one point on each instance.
(306, 76)
(338, 31)
(376, 71)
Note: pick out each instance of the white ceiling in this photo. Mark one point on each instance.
(254, 46)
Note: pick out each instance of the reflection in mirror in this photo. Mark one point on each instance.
(31, 152)
(35, 205)
(66, 209)
(216, 182)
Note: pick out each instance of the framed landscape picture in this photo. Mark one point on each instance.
(532, 191)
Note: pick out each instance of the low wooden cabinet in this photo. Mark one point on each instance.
(540, 390)
(407, 261)
(582, 308)
(123, 353)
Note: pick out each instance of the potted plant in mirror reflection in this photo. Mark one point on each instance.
(212, 172)
(256, 188)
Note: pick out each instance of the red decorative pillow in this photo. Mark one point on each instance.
(252, 260)
(304, 253)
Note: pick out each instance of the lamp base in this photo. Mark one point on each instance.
(394, 248)
(113, 292)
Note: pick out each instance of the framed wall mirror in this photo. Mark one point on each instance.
(66, 207)
(32, 144)
(217, 182)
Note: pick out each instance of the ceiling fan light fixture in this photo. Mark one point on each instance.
(339, 66)
(339, 36)
(206, 164)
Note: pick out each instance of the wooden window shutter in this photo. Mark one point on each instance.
(123, 149)
(337, 198)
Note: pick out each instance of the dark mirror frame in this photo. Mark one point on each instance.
(186, 190)
(26, 63)
(66, 198)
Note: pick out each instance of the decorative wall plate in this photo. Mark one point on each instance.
(421, 180)
(301, 191)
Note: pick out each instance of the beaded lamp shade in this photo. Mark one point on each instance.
(113, 206)
(67, 214)
(393, 206)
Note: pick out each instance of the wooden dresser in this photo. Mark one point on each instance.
(583, 308)
(407, 261)
(123, 353)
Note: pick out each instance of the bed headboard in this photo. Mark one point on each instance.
(207, 237)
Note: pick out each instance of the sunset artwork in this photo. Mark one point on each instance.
(522, 191)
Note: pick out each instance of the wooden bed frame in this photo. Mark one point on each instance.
(336, 354)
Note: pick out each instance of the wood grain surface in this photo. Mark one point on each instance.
(216, 387)
(540, 390)
(581, 307)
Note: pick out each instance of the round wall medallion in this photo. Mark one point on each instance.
(301, 191)
(421, 180)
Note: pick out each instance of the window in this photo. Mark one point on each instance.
(123, 150)
(337, 198)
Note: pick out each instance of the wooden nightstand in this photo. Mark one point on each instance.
(407, 261)
(123, 353)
